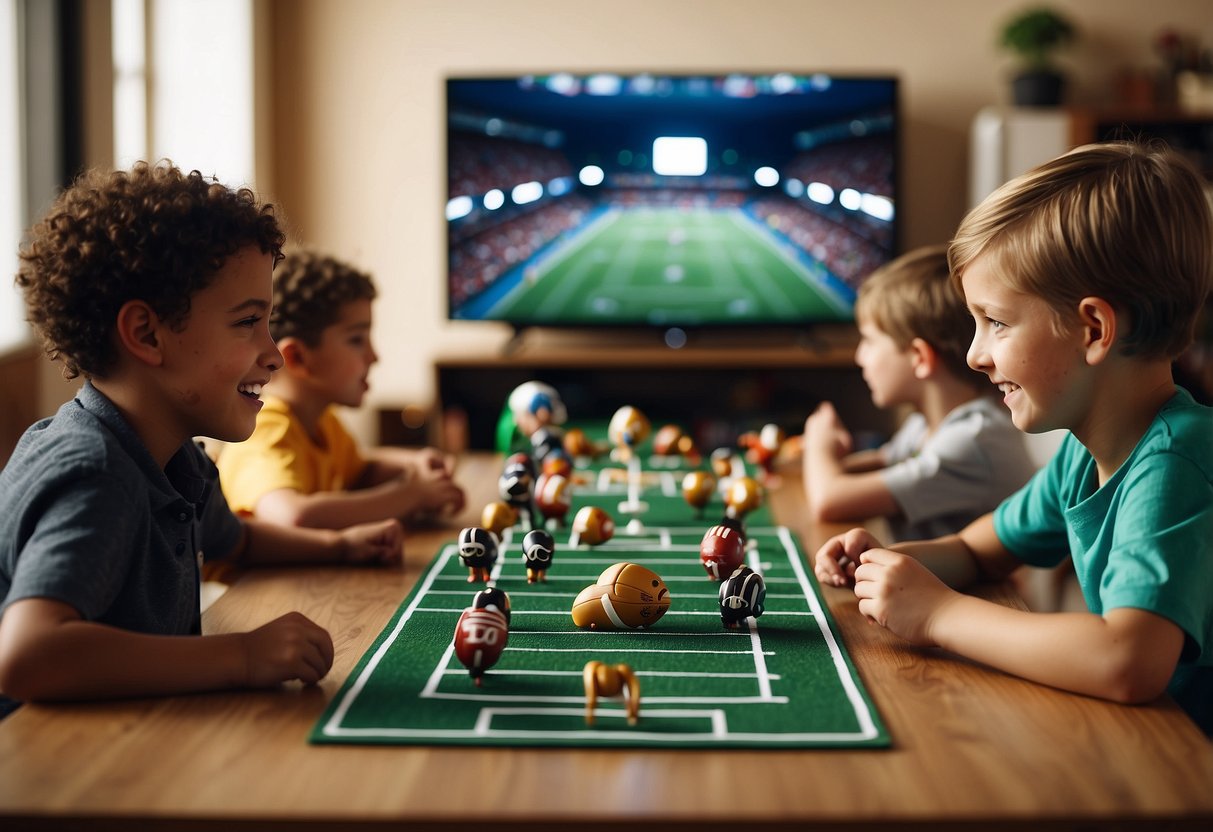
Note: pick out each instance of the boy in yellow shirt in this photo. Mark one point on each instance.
(301, 467)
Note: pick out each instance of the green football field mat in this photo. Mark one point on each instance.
(783, 680)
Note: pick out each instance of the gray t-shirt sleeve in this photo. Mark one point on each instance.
(972, 462)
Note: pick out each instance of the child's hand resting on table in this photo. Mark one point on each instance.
(894, 590)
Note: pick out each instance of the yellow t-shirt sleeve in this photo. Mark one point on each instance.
(280, 454)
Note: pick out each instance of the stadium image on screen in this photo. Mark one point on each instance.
(669, 201)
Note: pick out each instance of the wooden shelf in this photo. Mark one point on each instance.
(716, 387)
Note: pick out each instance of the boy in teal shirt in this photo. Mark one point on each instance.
(1085, 278)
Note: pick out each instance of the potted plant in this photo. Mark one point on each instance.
(1035, 35)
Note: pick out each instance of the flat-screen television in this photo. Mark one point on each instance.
(660, 200)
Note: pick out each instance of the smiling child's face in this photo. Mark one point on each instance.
(222, 356)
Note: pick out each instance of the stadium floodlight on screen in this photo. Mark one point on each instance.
(668, 200)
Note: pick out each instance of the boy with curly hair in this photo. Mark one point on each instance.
(1085, 277)
(956, 455)
(155, 286)
(301, 467)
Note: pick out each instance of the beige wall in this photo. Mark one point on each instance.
(357, 141)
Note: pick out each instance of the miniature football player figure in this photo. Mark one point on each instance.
(721, 551)
(665, 440)
(515, 487)
(538, 548)
(480, 638)
(697, 489)
(478, 551)
(762, 448)
(492, 598)
(544, 441)
(628, 428)
(742, 595)
(611, 680)
(532, 405)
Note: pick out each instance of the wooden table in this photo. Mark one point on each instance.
(970, 746)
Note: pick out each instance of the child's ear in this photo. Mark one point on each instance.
(138, 328)
(1098, 321)
(923, 358)
(294, 353)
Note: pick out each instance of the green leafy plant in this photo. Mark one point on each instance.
(1035, 35)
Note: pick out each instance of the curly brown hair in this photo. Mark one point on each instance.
(309, 290)
(152, 233)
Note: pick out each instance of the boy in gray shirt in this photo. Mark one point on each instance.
(957, 455)
(154, 285)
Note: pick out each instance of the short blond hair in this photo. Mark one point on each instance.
(1122, 221)
(912, 297)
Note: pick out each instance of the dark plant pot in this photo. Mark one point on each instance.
(1037, 88)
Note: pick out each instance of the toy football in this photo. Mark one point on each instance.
(498, 516)
(665, 441)
(626, 596)
(697, 489)
(742, 594)
(552, 497)
(592, 526)
(480, 637)
(721, 551)
(744, 495)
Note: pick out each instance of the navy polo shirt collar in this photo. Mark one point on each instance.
(178, 483)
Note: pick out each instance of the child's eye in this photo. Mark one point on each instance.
(995, 324)
(250, 321)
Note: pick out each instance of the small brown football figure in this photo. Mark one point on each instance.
(591, 526)
(721, 551)
(478, 551)
(557, 462)
(480, 637)
(498, 516)
(665, 441)
(611, 680)
(627, 429)
(627, 596)
(538, 547)
(578, 444)
(552, 497)
(742, 594)
(722, 463)
(744, 495)
(763, 447)
(697, 489)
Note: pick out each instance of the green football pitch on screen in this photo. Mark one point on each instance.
(672, 267)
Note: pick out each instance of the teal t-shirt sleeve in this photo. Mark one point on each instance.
(1161, 558)
(1031, 523)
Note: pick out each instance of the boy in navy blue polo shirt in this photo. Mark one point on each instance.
(154, 285)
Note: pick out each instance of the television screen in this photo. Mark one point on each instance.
(669, 201)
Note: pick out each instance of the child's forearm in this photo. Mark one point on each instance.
(84, 660)
(340, 509)
(48, 653)
(267, 543)
(1128, 656)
